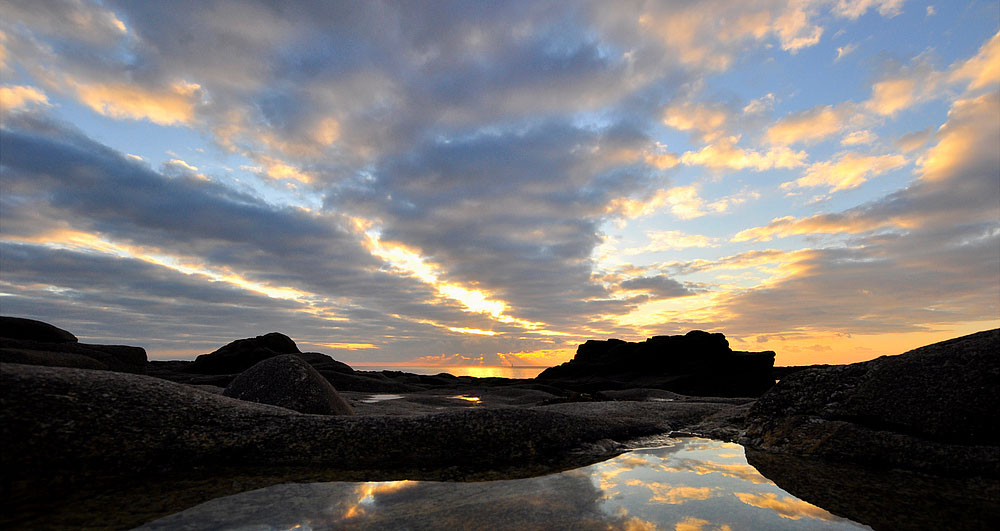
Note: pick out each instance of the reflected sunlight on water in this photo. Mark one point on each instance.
(690, 484)
(477, 371)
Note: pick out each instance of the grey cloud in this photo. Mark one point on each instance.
(660, 287)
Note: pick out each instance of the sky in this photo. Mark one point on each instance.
(495, 183)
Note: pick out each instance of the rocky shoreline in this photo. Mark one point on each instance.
(258, 412)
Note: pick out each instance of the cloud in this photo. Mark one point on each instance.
(707, 120)
(784, 506)
(982, 70)
(669, 240)
(658, 287)
(169, 106)
(16, 97)
(849, 170)
(853, 9)
(810, 125)
(923, 256)
(863, 136)
(724, 154)
(843, 51)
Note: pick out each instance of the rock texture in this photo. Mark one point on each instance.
(933, 409)
(288, 381)
(697, 363)
(31, 342)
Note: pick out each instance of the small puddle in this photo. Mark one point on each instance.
(467, 398)
(372, 399)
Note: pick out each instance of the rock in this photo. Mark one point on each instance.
(697, 363)
(62, 429)
(933, 409)
(31, 342)
(323, 362)
(288, 381)
(884, 499)
(242, 354)
(32, 330)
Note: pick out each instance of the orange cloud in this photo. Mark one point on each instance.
(982, 70)
(670, 494)
(971, 127)
(891, 96)
(724, 154)
(17, 96)
(707, 120)
(785, 506)
(850, 170)
(173, 105)
(810, 125)
(820, 224)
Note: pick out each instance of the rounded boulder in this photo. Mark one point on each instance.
(288, 381)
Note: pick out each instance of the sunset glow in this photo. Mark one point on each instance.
(493, 184)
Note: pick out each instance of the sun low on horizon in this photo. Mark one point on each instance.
(466, 183)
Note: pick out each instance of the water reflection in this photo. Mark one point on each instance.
(692, 484)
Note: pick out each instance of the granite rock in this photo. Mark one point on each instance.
(932, 409)
(288, 381)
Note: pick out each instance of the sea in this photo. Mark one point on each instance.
(478, 371)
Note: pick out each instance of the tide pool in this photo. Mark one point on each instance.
(683, 484)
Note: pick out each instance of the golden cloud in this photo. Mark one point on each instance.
(784, 506)
(810, 125)
(982, 70)
(173, 105)
(17, 96)
(850, 170)
(724, 154)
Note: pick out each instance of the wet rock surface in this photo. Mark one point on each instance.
(697, 363)
(288, 381)
(933, 409)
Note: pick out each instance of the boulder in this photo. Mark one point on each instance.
(288, 381)
(697, 363)
(31, 342)
(933, 409)
(32, 330)
(242, 354)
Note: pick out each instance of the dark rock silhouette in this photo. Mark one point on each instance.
(288, 381)
(31, 342)
(884, 499)
(697, 363)
(242, 354)
(32, 330)
(933, 409)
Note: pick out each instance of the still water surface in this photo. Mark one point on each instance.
(689, 484)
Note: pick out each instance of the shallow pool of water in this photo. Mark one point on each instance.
(688, 484)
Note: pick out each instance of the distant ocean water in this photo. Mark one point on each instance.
(478, 371)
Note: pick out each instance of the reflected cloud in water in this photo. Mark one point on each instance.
(691, 484)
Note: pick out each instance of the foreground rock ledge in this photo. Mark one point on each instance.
(61, 427)
(933, 409)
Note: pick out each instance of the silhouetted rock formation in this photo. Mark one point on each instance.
(31, 342)
(242, 354)
(288, 381)
(32, 330)
(697, 363)
(932, 409)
